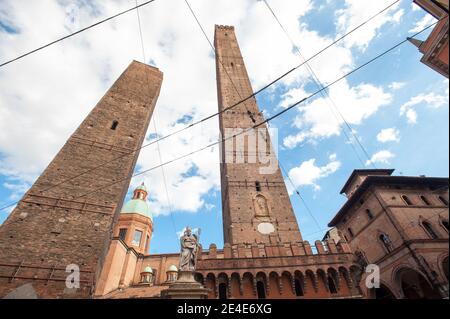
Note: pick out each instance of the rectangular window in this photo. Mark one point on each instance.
(137, 238)
(122, 233)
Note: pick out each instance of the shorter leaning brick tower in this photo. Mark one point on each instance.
(67, 217)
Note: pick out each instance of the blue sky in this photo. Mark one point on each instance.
(397, 106)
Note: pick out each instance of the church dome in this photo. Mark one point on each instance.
(173, 268)
(138, 204)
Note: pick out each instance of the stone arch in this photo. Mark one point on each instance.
(288, 283)
(322, 279)
(262, 288)
(235, 285)
(210, 283)
(384, 292)
(428, 228)
(275, 284)
(223, 286)
(443, 222)
(248, 286)
(355, 274)
(312, 278)
(333, 280)
(299, 283)
(442, 265)
(414, 285)
(199, 278)
(345, 274)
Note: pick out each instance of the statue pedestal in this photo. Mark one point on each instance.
(186, 287)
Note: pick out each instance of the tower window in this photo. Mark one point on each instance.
(445, 224)
(223, 291)
(114, 125)
(386, 241)
(425, 200)
(407, 200)
(443, 200)
(122, 233)
(258, 186)
(369, 214)
(350, 232)
(137, 238)
(261, 290)
(332, 285)
(429, 229)
(298, 288)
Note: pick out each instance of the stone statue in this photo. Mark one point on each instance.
(189, 250)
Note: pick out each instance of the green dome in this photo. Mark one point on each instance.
(142, 187)
(137, 206)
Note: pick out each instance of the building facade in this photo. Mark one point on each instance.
(435, 47)
(400, 224)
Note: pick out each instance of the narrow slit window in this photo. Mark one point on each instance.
(369, 214)
(407, 200)
(122, 233)
(443, 200)
(114, 125)
(258, 186)
(430, 230)
(425, 200)
(445, 224)
(350, 232)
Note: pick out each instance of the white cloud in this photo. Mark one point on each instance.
(319, 119)
(309, 174)
(357, 11)
(415, 7)
(74, 74)
(380, 157)
(432, 100)
(396, 85)
(423, 23)
(411, 116)
(389, 135)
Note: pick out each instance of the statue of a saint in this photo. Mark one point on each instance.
(189, 250)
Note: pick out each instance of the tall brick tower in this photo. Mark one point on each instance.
(63, 219)
(255, 202)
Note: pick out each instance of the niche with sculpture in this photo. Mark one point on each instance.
(261, 207)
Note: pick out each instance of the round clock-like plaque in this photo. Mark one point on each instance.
(266, 228)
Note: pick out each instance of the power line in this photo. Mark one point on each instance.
(156, 130)
(212, 115)
(74, 33)
(319, 84)
(215, 54)
(217, 113)
(248, 112)
(299, 195)
(271, 117)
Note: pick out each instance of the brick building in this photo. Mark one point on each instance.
(435, 47)
(399, 223)
(264, 255)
